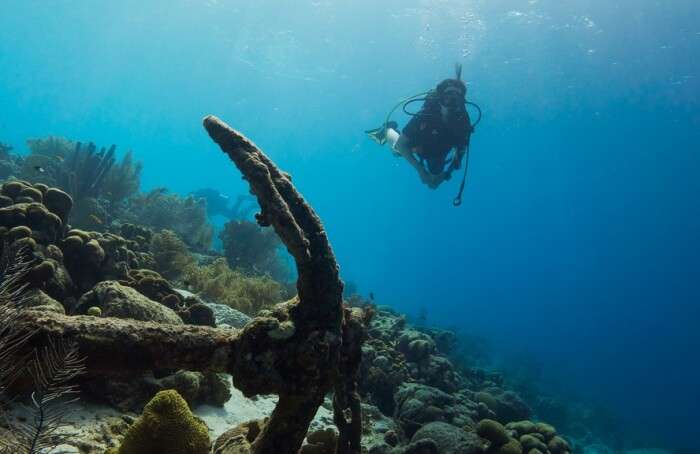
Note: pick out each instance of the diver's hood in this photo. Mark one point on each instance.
(452, 93)
(453, 87)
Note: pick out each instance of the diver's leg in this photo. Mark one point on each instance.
(401, 146)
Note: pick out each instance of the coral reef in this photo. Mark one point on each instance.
(116, 300)
(31, 218)
(538, 436)
(69, 264)
(51, 366)
(98, 184)
(406, 373)
(123, 179)
(186, 216)
(218, 283)
(151, 284)
(239, 439)
(10, 164)
(417, 405)
(493, 431)
(296, 351)
(113, 294)
(92, 257)
(170, 254)
(448, 439)
(166, 425)
(253, 249)
(227, 316)
(132, 393)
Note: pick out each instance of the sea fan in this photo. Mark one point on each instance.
(53, 368)
(14, 266)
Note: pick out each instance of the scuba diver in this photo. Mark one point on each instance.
(440, 126)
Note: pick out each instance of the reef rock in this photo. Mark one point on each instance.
(507, 406)
(386, 324)
(37, 300)
(418, 404)
(416, 346)
(92, 257)
(199, 388)
(226, 315)
(239, 439)
(449, 439)
(116, 300)
(383, 369)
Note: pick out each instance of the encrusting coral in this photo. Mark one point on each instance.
(166, 426)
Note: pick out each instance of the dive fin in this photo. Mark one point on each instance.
(377, 134)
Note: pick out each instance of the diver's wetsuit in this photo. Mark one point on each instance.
(431, 137)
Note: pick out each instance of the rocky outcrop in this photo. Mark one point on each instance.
(418, 404)
(449, 439)
(116, 300)
(228, 316)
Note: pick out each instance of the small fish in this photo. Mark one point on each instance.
(60, 158)
(371, 296)
(95, 219)
(39, 169)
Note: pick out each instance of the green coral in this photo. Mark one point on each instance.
(487, 399)
(219, 283)
(546, 429)
(166, 425)
(512, 447)
(171, 254)
(557, 445)
(493, 431)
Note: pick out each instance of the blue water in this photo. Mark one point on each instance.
(577, 242)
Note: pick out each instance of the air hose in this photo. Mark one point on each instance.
(458, 200)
